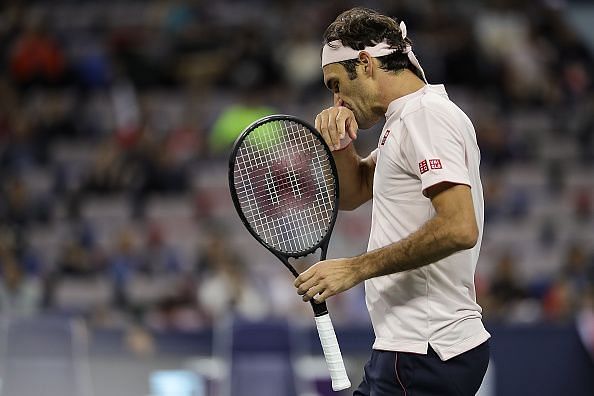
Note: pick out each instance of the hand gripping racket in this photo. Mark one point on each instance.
(284, 185)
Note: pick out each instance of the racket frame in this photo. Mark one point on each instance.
(319, 309)
(330, 347)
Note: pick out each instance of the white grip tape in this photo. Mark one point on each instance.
(338, 374)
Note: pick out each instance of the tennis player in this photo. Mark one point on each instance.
(427, 217)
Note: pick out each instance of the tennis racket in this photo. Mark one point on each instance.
(284, 185)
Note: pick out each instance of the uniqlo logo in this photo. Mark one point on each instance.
(435, 164)
(385, 137)
(423, 166)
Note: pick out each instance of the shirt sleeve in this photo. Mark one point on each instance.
(434, 148)
(373, 156)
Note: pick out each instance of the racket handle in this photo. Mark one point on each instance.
(338, 374)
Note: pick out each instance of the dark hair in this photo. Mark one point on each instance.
(361, 27)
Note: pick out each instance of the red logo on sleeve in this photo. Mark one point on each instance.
(435, 164)
(423, 166)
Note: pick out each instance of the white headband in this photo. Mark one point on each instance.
(334, 52)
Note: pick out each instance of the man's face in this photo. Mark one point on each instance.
(355, 94)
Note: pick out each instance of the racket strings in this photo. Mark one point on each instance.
(285, 185)
(279, 224)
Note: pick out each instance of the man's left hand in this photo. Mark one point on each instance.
(327, 278)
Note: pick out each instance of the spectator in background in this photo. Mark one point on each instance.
(559, 303)
(223, 282)
(123, 262)
(56, 118)
(158, 257)
(300, 61)
(20, 208)
(20, 296)
(155, 170)
(75, 261)
(23, 147)
(571, 287)
(184, 143)
(109, 171)
(250, 65)
(583, 205)
(36, 56)
(584, 128)
(494, 199)
(506, 39)
(79, 256)
(505, 290)
(578, 269)
(158, 170)
(180, 312)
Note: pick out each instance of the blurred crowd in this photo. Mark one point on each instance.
(117, 118)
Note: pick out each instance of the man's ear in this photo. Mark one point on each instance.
(367, 63)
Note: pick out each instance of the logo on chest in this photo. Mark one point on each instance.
(386, 134)
(425, 165)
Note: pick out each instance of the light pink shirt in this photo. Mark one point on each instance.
(426, 140)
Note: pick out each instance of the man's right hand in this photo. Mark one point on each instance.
(338, 126)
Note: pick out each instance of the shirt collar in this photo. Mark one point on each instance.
(397, 105)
